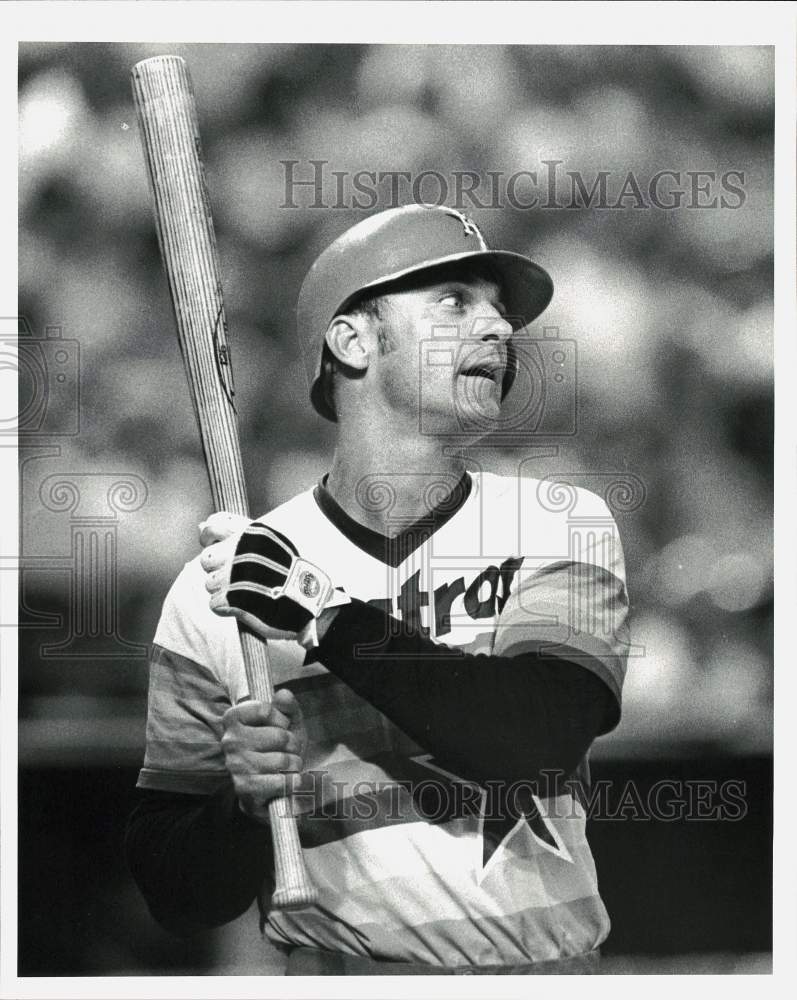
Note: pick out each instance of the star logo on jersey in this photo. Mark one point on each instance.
(500, 819)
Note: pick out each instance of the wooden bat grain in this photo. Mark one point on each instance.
(167, 117)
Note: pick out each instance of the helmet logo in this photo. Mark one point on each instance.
(470, 227)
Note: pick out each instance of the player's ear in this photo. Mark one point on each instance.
(346, 338)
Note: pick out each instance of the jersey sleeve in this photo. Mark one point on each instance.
(193, 659)
(574, 607)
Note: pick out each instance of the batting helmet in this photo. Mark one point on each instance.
(392, 245)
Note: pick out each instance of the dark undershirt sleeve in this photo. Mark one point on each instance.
(484, 717)
(197, 859)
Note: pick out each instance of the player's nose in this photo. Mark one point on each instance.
(494, 327)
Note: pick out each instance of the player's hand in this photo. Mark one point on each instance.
(259, 577)
(263, 746)
(221, 525)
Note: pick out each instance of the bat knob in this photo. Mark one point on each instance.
(294, 897)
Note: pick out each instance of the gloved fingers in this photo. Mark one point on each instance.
(215, 581)
(216, 555)
(260, 540)
(219, 603)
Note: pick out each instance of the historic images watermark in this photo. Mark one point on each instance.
(317, 184)
(83, 622)
(456, 597)
(440, 796)
(542, 403)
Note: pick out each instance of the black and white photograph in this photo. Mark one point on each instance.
(393, 421)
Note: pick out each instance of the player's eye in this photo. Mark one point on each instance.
(455, 299)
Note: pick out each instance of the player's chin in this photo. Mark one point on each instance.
(460, 411)
(477, 402)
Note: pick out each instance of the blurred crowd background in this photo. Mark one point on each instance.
(670, 310)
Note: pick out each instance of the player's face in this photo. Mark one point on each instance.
(442, 353)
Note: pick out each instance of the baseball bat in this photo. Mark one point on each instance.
(167, 118)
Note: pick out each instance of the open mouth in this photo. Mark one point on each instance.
(494, 372)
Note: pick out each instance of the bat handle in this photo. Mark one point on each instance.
(292, 887)
(170, 131)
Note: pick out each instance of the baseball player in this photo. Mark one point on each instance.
(446, 646)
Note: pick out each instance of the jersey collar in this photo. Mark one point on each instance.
(393, 550)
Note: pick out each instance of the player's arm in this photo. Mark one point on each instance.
(197, 859)
(196, 842)
(200, 859)
(552, 684)
(485, 716)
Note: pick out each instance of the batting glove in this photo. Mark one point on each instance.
(259, 577)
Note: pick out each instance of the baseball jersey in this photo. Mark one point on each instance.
(412, 862)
